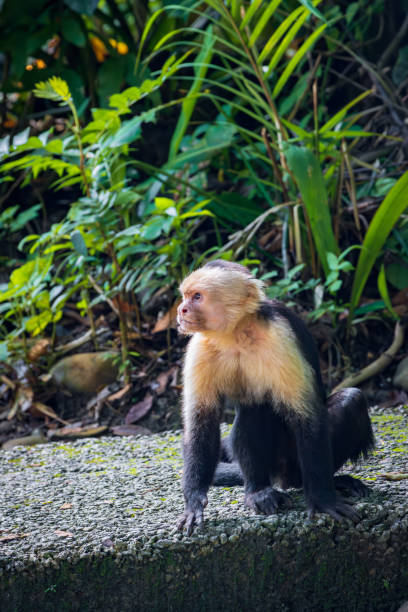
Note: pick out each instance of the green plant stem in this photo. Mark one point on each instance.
(77, 132)
(124, 344)
(85, 296)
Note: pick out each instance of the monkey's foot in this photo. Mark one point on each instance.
(337, 509)
(267, 500)
(351, 486)
(193, 513)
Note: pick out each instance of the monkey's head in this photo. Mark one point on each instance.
(217, 296)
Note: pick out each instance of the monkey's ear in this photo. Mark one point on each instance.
(256, 291)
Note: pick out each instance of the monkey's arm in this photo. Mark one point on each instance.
(201, 454)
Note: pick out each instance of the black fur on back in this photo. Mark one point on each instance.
(272, 309)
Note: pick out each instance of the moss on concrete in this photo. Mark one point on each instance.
(106, 540)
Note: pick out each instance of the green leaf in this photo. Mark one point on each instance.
(397, 274)
(163, 204)
(299, 55)
(83, 7)
(201, 66)
(262, 21)
(309, 177)
(79, 243)
(339, 116)
(21, 138)
(332, 261)
(382, 223)
(251, 10)
(55, 146)
(72, 31)
(400, 70)
(24, 217)
(383, 290)
(35, 325)
(131, 130)
(55, 89)
(4, 352)
(154, 228)
(309, 5)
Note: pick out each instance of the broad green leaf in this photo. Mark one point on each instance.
(72, 31)
(24, 217)
(385, 218)
(5, 145)
(155, 227)
(21, 138)
(35, 325)
(55, 146)
(83, 7)
(4, 352)
(309, 177)
(397, 274)
(163, 203)
(79, 243)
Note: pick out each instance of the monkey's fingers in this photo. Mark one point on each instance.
(338, 511)
(189, 519)
(267, 500)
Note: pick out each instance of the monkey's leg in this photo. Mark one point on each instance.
(201, 452)
(351, 435)
(253, 447)
(228, 473)
(315, 458)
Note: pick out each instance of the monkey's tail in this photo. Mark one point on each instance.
(228, 475)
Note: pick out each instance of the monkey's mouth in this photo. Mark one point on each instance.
(184, 324)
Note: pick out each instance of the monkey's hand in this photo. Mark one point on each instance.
(193, 513)
(337, 509)
(267, 500)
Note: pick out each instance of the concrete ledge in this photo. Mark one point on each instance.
(90, 526)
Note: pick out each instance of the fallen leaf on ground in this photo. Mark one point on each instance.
(119, 394)
(78, 432)
(13, 536)
(139, 410)
(130, 430)
(160, 384)
(63, 534)
(40, 409)
(66, 506)
(394, 475)
(39, 349)
(167, 319)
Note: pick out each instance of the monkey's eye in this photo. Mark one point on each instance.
(197, 296)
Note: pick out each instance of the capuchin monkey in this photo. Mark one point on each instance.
(258, 356)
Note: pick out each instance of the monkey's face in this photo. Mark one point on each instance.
(215, 300)
(198, 312)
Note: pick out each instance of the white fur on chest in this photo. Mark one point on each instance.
(253, 364)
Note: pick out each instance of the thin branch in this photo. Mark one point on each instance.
(379, 364)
